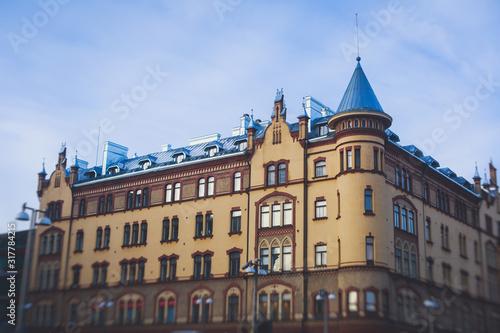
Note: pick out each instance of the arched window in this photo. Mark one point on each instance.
(320, 169)
(130, 199)
(138, 194)
(287, 255)
(413, 261)
(177, 191)
(403, 180)
(363, 123)
(356, 123)
(57, 214)
(211, 186)
(168, 193)
(82, 208)
(275, 257)
(281, 173)
(101, 204)
(145, 197)
(237, 181)
(271, 175)
(201, 187)
(264, 255)
(399, 261)
(109, 203)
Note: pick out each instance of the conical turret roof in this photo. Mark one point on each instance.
(359, 95)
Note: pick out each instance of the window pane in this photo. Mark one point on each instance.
(287, 213)
(276, 215)
(264, 217)
(287, 258)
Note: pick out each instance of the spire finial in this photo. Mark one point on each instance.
(357, 38)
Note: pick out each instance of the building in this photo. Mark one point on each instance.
(329, 202)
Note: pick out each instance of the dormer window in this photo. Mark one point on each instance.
(91, 174)
(322, 129)
(145, 164)
(212, 151)
(241, 145)
(113, 170)
(179, 158)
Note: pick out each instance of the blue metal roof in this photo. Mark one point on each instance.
(392, 136)
(359, 95)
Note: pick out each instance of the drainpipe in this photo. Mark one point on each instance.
(304, 258)
(247, 190)
(67, 252)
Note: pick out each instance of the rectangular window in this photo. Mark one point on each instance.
(371, 303)
(428, 230)
(235, 221)
(264, 217)
(286, 299)
(199, 226)
(349, 159)
(369, 251)
(163, 270)
(95, 276)
(197, 267)
(140, 272)
(352, 298)
(276, 217)
(165, 230)
(411, 223)
(135, 234)
(275, 298)
(175, 228)
(173, 269)
(131, 273)
(168, 193)
(209, 223)
(320, 255)
(79, 241)
(320, 209)
(232, 308)
(403, 219)
(126, 235)
(123, 279)
(287, 213)
(144, 233)
(375, 159)
(177, 191)
(76, 276)
(287, 258)
(263, 306)
(207, 266)
(368, 201)
(107, 236)
(357, 158)
(234, 264)
(429, 270)
(104, 274)
(341, 161)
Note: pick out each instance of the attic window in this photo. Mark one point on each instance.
(322, 129)
(112, 171)
(179, 158)
(91, 174)
(145, 164)
(212, 151)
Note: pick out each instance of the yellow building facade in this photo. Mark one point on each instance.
(331, 204)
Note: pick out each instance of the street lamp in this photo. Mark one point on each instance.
(430, 304)
(323, 296)
(254, 268)
(204, 300)
(23, 216)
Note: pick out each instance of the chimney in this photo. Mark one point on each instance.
(166, 147)
(303, 123)
(477, 181)
(41, 177)
(113, 153)
(493, 175)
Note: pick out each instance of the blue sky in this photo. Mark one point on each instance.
(69, 66)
